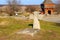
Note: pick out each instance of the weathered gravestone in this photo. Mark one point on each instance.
(36, 24)
(34, 30)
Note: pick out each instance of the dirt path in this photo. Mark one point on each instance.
(53, 18)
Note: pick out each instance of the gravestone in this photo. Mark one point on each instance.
(34, 30)
(36, 24)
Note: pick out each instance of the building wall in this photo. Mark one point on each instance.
(50, 7)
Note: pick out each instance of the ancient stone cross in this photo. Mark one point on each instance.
(36, 24)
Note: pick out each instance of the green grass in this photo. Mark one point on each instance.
(49, 30)
(12, 25)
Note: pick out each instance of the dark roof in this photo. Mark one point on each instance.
(48, 2)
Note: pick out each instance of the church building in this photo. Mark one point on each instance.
(48, 7)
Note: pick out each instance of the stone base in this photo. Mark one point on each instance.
(28, 31)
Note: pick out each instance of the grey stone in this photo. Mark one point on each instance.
(28, 31)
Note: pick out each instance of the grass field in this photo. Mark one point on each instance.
(9, 26)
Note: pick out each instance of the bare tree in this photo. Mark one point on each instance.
(30, 9)
(13, 6)
(58, 8)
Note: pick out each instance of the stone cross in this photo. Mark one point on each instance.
(36, 24)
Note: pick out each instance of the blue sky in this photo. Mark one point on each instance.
(29, 2)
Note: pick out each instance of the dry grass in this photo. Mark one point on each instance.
(49, 30)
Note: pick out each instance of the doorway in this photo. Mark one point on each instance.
(49, 12)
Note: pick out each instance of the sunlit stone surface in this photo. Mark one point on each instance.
(36, 24)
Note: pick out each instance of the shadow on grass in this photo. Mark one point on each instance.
(58, 24)
(30, 25)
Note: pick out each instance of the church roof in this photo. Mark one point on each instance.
(48, 2)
